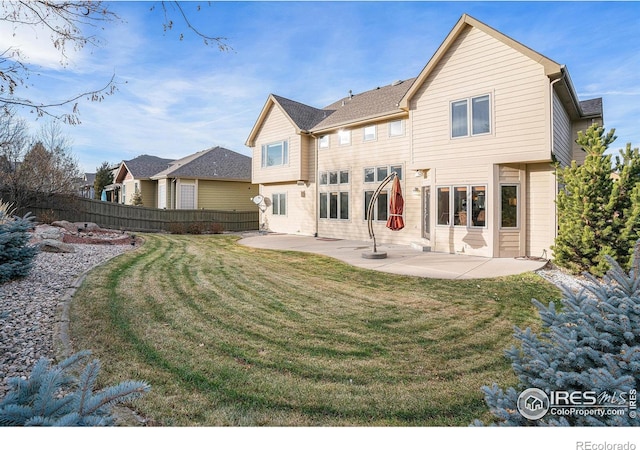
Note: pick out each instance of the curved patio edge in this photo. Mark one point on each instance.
(401, 259)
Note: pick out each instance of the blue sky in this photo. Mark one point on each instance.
(176, 97)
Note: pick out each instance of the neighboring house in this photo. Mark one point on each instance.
(135, 175)
(472, 137)
(85, 188)
(216, 178)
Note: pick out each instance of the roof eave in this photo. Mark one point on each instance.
(251, 140)
(360, 122)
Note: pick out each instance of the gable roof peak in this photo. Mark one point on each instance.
(551, 68)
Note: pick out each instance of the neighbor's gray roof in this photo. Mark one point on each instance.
(592, 107)
(214, 163)
(144, 166)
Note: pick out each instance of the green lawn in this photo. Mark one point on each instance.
(231, 335)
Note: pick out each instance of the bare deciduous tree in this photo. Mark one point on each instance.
(71, 25)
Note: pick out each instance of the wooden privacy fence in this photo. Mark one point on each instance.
(134, 218)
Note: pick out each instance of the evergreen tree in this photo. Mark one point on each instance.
(54, 396)
(625, 203)
(591, 344)
(16, 255)
(104, 177)
(585, 225)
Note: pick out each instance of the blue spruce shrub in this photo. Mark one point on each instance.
(16, 256)
(54, 396)
(592, 343)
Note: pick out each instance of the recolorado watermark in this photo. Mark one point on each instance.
(588, 445)
(534, 404)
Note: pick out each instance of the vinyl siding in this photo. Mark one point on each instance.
(579, 154)
(300, 211)
(148, 189)
(511, 242)
(462, 239)
(540, 210)
(226, 195)
(561, 133)
(477, 64)
(277, 127)
(355, 157)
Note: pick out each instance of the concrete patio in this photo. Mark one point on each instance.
(401, 259)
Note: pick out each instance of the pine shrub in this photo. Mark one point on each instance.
(16, 255)
(591, 344)
(55, 396)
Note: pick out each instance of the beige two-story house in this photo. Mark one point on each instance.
(473, 138)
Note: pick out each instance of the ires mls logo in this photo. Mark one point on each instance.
(534, 403)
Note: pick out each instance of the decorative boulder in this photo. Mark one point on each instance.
(64, 224)
(85, 226)
(53, 246)
(45, 232)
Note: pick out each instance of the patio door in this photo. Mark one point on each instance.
(426, 212)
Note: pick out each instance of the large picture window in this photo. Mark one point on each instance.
(466, 208)
(275, 154)
(334, 205)
(471, 116)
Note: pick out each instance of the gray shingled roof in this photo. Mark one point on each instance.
(370, 104)
(592, 107)
(214, 163)
(145, 166)
(304, 116)
(374, 103)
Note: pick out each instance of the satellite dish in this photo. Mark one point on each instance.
(257, 199)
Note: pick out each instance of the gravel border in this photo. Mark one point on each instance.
(34, 311)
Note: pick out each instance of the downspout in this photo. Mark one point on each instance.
(551, 148)
(317, 196)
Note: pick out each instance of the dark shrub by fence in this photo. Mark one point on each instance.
(134, 218)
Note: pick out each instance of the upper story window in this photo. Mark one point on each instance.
(344, 137)
(471, 116)
(396, 128)
(370, 133)
(275, 154)
(323, 141)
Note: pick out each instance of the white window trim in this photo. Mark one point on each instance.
(469, 101)
(324, 141)
(342, 133)
(279, 208)
(195, 194)
(469, 187)
(263, 162)
(375, 133)
(402, 128)
(518, 203)
(339, 193)
(375, 207)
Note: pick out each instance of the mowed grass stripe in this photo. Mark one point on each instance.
(243, 336)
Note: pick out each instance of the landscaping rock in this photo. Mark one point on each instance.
(85, 226)
(48, 232)
(64, 224)
(53, 246)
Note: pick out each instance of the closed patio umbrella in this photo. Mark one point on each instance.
(396, 206)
